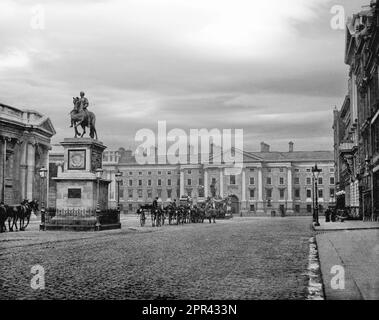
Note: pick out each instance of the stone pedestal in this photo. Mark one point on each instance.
(82, 197)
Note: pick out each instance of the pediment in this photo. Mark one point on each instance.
(47, 126)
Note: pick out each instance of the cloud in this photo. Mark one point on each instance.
(273, 68)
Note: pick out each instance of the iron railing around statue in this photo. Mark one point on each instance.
(48, 215)
(108, 216)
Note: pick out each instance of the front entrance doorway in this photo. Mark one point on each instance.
(235, 205)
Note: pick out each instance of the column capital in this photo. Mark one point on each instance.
(7, 138)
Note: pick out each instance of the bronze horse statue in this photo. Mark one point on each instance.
(84, 118)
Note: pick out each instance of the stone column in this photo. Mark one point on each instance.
(181, 182)
(221, 182)
(260, 191)
(45, 163)
(289, 183)
(30, 171)
(289, 191)
(205, 183)
(243, 185)
(3, 166)
(23, 167)
(260, 185)
(243, 188)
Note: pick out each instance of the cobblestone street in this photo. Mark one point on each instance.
(241, 258)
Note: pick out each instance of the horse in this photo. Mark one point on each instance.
(12, 215)
(153, 215)
(28, 207)
(179, 216)
(156, 217)
(162, 216)
(196, 215)
(170, 213)
(141, 213)
(84, 118)
(201, 211)
(188, 215)
(210, 213)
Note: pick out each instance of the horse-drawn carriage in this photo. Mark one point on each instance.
(217, 207)
(186, 211)
(157, 214)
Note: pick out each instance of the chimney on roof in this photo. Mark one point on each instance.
(265, 147)
(290, 146)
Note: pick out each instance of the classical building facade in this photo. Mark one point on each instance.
(269, 181)
(25, 142)
(356, 125)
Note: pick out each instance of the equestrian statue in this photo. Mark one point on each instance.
(81, 116)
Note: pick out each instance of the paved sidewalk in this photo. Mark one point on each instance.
(346, 225)
(357, 251)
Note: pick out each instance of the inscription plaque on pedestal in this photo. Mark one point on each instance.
(74, 193)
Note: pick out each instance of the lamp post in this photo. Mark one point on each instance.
(118, 176)
(43, 174)
(313, 198)
(99, 174)
(315, 171)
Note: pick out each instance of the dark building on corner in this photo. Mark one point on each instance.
(356, 125)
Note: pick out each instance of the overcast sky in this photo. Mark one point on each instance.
(273, 68)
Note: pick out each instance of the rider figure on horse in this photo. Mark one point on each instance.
(82, 104)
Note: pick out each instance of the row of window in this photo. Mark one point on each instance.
(296, 193)
(169, 172)
(252, 193)
(297, 208)
(140, 173)
(232, 181)
(308, 180)
(149, 193)
(130, 193)
(331, 170)
(159, 172)
(160, 182)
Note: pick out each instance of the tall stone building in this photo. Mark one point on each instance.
(25, 141)
(279, 181)
(356, 125)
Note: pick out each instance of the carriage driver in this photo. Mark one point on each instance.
(155, 203)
